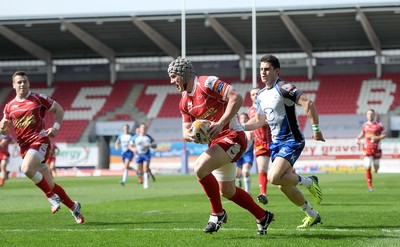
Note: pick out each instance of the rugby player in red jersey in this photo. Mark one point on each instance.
(208, 97)
(373, 132)
(26, 114)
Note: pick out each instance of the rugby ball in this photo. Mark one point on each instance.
(200, 131)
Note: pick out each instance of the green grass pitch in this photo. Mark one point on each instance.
(174, 210)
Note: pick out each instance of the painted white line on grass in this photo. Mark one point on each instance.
(192, 229)
(152, 212)
(390, 230)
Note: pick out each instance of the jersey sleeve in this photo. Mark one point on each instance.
(290, 91)
(217, 86)
(46, 101)
(151, 138)
(132, 140)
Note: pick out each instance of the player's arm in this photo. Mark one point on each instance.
(58, 118)
(4, 126)
(359, 137)
(132, 146)
(383, 135)
(235, 101)
(186, 132)
(153, 144)
(116, 144)
(56, 151)
(311, 111)
(3, 142)
(255, 122)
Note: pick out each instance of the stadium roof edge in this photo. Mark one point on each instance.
(231, 11)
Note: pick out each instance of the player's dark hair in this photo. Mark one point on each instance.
(19, 73)
(274, 61)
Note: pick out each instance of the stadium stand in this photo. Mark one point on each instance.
(84, 101)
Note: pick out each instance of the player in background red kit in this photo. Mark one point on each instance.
(208, 97)
(26, 113)
(5, 140)
(262, 138)
(373, 132)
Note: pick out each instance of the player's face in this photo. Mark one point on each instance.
(21, 85)
(370, 115)
(268, 73)
(142, 129)
(253, 95)
(177, 81)
(243, 119)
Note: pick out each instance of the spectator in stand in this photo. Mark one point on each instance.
(26, 114)
(51, 159)
(373, 132)
(5, 140)
(262, 138)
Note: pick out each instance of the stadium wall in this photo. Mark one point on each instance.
(332, 156)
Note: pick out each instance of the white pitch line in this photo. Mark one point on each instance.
(192, 229)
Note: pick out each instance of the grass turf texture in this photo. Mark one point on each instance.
(174, 210)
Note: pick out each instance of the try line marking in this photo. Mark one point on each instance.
(189, 229)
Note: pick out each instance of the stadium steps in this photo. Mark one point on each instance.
(128, 108)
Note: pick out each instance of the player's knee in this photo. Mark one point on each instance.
(272, 179)
(24, 169)
(376, 167)
(200, 171)
(246, 172)
(228, 193)
(368, 161)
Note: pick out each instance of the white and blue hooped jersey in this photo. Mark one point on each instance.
(279, 105)
(140, 141)
(124, 139)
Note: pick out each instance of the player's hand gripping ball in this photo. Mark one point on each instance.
(200, 131)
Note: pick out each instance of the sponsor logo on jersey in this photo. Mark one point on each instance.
(220, 86)
(210, 112)
(287, 87)
(290, 88)
(24, 121)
